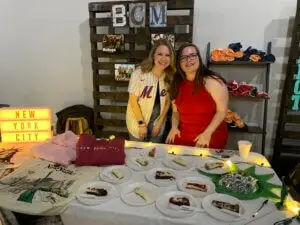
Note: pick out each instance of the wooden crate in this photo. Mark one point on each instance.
(111, 113)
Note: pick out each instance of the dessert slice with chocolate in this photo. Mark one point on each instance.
(164, 175)
(227, 206)
(196, 186)
(180, 201)
(96, 191)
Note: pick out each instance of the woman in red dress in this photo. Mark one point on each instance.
(199, 102)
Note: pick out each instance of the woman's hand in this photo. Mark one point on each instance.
(156, 128)
(203, 140)
(172, 134)
(142, 131)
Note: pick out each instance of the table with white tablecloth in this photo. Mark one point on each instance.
(117, 212)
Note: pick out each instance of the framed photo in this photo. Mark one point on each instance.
(169, 37)
(123, 71)
(113, 43)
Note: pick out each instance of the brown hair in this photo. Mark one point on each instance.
(201, 73)
(148, 63)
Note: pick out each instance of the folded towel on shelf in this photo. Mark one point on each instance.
(234, 52)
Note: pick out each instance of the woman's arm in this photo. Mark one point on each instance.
(218, 91)
(175, 116)
(138, 115)
(135, 107)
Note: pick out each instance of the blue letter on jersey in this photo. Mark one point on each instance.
(146, 92)
(163, 92)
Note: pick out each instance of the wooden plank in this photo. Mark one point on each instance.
(141, 37)
(172, 4)
(292, 118)
(103, 66)
(161, 29)
(171, 21)
(119, 96)
(291, 134)
(128, 38)
(290, 149)
(109, 80)
(107, 65)
(251, 129)
(136, 54)
(111, 122)
(111, 108)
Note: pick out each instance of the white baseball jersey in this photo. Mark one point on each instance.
(144, 86)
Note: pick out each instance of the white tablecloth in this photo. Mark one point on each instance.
(116, 212)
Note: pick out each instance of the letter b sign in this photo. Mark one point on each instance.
(119, 15)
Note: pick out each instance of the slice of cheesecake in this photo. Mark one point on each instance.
(180, 161)
(118, 174)
(142, 193)
(142, 161)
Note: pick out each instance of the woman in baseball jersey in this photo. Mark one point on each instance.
(149, 100)
(199, 102)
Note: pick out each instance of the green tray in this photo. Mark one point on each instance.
(264, 189)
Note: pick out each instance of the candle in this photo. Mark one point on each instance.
(232, 166)
(261, 162)
(292, 206)
(174, 150)
(111, 137)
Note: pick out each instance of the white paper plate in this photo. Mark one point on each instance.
(106, 174)
(133, 164)
(162, 204)
(201, 166)
(150, 176)
(94, 200)
(216, 213)
(210, 186)
(131, 198)
(167, 161)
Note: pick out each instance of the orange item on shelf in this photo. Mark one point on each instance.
(218, 55)
(255, 58)
(223, 55)
(229, 52)
(233, 117)
(238, 54)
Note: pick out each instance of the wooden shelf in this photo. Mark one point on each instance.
(240, 63)
(251, 130)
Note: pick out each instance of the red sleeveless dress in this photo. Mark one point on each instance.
(195, 113)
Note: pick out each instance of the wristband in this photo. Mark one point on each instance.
(141, 122)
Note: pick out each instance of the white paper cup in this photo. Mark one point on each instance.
(244, 148)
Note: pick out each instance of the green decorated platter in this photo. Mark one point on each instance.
(244, 184)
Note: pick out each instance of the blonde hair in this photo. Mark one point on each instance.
(148, 63)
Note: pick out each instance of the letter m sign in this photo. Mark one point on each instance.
(158, 14)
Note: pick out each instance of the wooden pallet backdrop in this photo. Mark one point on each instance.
(110, 96)
(287, 141)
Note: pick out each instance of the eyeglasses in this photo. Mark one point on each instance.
(192, 56)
